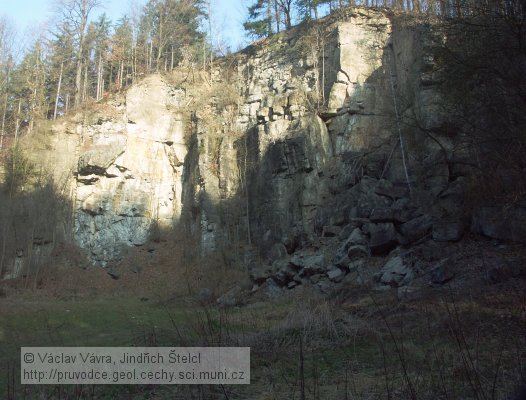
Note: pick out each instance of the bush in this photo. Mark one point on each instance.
(18, 170)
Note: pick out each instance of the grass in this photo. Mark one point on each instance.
(354, 345)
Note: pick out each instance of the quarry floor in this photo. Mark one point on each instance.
(465, 339)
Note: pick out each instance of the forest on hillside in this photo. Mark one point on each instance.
(82, 59)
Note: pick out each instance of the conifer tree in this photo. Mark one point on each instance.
(259, 22)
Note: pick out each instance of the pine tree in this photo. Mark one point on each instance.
(259, 22)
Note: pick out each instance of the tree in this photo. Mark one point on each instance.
(7, 39)
(285, 6)
(30, 82)
(168, 26)
(259, 22)
(76, 13)
(97, 50)
(122, 46)
(61, 67)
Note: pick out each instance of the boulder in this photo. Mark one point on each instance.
(231, 298)
(292, 284)
(309, 263)
(359, 212)
(285, 272)
(442, 272)
(356, 265)
(357, 237)
(276, 252)
(204, 295)
(396, 273)
(335, 275)
(346, 231)
(331, 231)
(357, 252)
(403, 210)
(446, 231)
(271, 289)
(386, 188)
(259, 273)
(382, 214)
(355, 241)
(383, 238)
(417, 228)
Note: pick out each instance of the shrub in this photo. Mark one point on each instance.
(18, 170)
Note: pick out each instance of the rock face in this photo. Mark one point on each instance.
(308, 166)
(128, 176)
(308, 116)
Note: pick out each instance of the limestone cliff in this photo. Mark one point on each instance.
(323, 108)
(319, 146)
(126, 165)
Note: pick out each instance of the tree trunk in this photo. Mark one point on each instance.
(161, 42)
(58, 90)
(17, 123)
(277, 16)
(2, 132)
(85, 88)
(134, 61)
(269, 18)
(150, 59)
(121, 72)
(247, 204)
(98, 96)
(32, 111)
(78, 81)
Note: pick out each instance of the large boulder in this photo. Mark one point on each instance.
(348, 249)
(383, 238)
(417, 228)
(396, 273)
(447, 231)
(442, 272)
(310, 264)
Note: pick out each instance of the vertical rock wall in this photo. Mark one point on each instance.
(129, 172)
(310, 97)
